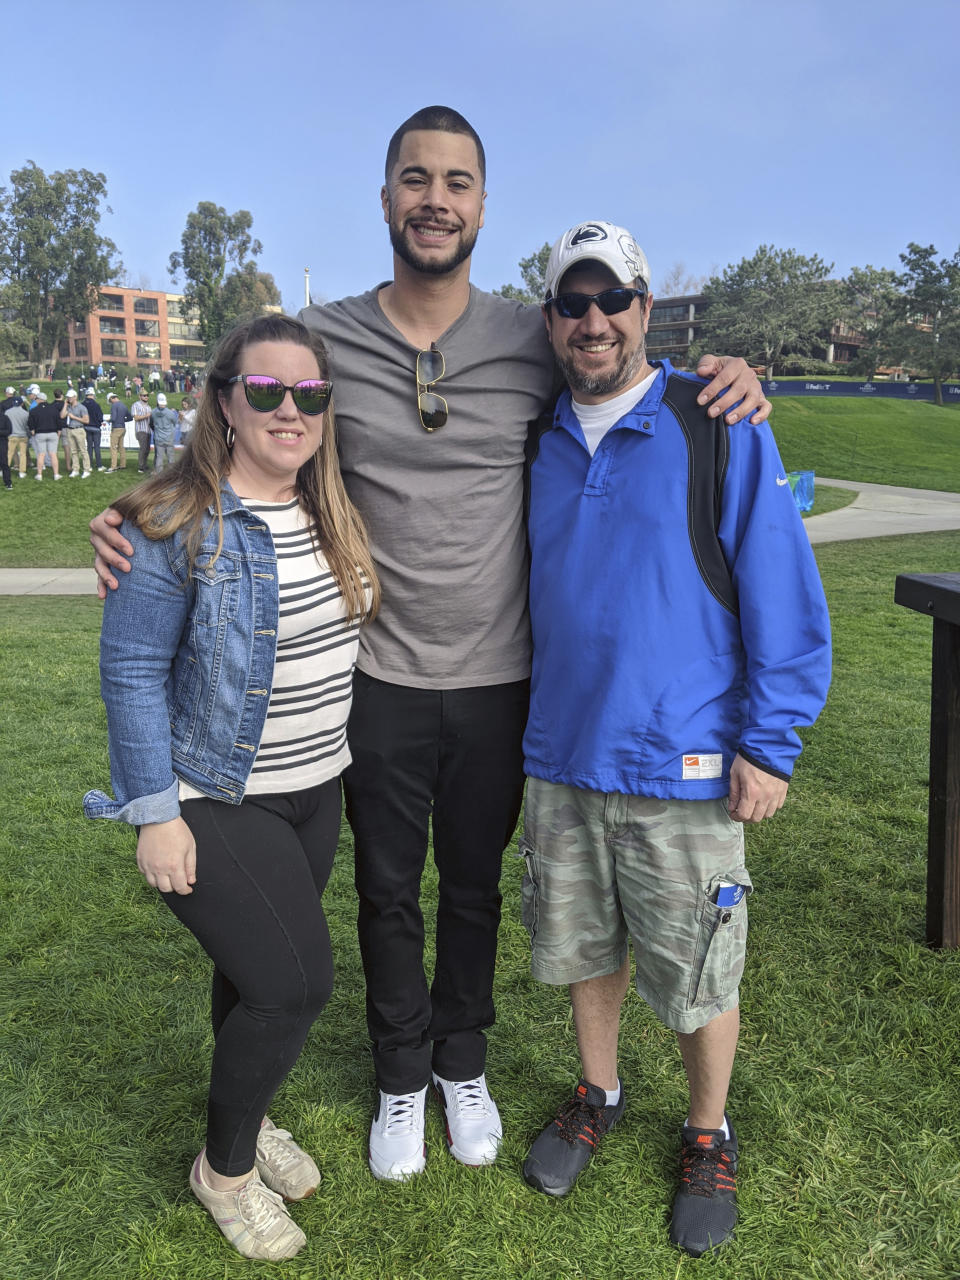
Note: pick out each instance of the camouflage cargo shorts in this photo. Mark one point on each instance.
(602, 868)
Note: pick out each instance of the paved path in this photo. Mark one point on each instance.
(882, 510)
(48, 582)
(879, 510)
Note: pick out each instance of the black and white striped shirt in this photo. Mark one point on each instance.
(304, 738)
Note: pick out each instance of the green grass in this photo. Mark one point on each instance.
(881, 441)
(46, 524)
(827, 497)
(845, 1089)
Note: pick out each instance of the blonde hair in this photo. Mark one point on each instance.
(181, 497)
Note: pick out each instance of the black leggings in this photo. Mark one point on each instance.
(255, 909)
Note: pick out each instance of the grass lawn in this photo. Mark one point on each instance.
(827, 497)
(845, 1090)
(881, 441)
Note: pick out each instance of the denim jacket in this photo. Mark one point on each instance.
(186, 667)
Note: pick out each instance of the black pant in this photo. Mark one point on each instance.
(454, 754)
(93, 448)
(143, 456)
(4, 461)
(255, 909)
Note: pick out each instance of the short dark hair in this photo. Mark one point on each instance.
(436, 120)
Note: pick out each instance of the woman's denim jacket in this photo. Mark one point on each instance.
(186, 666)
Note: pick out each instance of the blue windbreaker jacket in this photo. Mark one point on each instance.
(642, 674)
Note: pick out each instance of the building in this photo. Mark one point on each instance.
(138, 327)
(675, 326)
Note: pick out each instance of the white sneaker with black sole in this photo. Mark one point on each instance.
(397, 1148)
(471, 1118)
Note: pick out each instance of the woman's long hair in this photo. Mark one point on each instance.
(183, 496)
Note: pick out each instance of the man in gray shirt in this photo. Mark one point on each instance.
(12, 405)
(164, 420)
(436, 383)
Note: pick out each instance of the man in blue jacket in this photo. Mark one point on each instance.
(680, 634)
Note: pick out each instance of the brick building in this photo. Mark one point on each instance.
(138, 327)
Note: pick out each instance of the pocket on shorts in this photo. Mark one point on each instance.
(721, 944)
(530, 887)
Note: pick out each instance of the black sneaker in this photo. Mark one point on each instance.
(568, 1142)
(705, 1208)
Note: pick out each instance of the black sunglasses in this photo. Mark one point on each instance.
(433, 408)
(311, 396)
(574, 306)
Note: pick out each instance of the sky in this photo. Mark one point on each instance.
(829, 128)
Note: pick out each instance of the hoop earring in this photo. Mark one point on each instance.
(230, 437)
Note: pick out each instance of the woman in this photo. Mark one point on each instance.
(226, 664)
(188, 418)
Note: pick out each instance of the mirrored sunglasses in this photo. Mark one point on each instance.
(433, 408)
(311, 396)
(574, 306)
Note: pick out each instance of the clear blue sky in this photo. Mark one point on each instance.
(707, 129)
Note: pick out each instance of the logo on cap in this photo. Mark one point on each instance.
(588, 233)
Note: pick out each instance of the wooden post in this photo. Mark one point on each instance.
(938, 595)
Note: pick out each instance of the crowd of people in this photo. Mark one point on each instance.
(36, 428)
(302, 598)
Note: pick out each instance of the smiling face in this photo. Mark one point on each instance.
(433, 203)
(270, 448)
(600, 356)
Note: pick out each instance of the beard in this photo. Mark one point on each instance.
(604, 384)
(431, 266)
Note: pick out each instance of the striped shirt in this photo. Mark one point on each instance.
(304, 738)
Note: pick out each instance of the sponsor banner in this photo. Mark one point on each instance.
(888, 390)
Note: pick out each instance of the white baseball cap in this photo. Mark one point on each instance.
(161, 400)
(71, 394)
(33, 389)
(10, 391)
(612, 246)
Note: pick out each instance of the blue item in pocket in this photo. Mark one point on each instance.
(729, 894)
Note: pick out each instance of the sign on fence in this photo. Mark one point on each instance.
(883, 390)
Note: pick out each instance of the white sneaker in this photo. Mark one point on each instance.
(74, 474)
(472, 1120)
(23, 475)
(39, 477)
(84, 475)
(253, 1218)
(284, 1165)
(101, 468)
(397, 1149)
(55, 477)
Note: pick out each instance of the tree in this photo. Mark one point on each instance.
(211, 240)
(871, 301)
(678, 283)
(534, 272)
(247, 291)
(926, 335)
(53, 259)
(774, 304)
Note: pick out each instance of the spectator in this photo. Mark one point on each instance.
(94, 423)
(127, 384)
(188, 416)
(164, 423)
(43, 423)
(17, 413)
(119, 417)
(75, 418)
(141, 423)
(6, 426)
